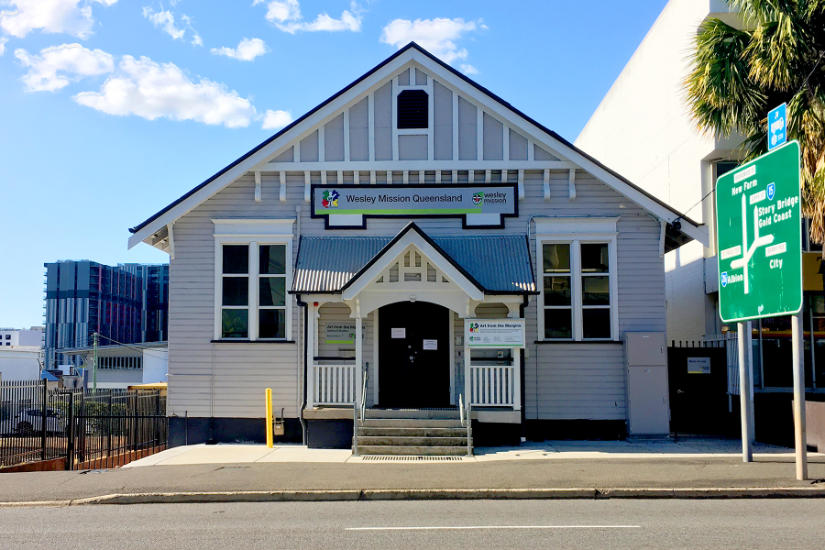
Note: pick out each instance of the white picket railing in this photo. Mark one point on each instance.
(335, 384)
(492, 386)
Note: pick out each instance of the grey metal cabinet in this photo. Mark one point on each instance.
(647, 384)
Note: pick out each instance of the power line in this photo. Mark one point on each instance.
(137, 347)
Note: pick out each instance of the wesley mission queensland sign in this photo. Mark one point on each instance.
(478, 205)
(759, 237)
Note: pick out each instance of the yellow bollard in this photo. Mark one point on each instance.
(269, 418)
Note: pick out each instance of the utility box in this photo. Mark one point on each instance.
(647, 384)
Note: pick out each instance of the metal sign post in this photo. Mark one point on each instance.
(800, 439)
(743, 331)
(759, 241)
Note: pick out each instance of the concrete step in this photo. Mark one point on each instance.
(412, 431)
(412, 413)
(409, 423)
(425, 450)
(372, 441)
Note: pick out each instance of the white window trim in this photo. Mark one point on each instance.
(253, 233)
(575, 232)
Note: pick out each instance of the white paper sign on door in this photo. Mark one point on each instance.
(398, 332)
(430, 345)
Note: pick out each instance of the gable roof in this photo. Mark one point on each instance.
(678, 233)
(496, 264)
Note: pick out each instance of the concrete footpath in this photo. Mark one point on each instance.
(237, 473)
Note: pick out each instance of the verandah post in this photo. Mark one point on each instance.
(358, 357)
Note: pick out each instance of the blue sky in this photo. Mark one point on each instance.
(111, 109)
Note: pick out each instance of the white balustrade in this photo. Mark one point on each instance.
(492, 386)
(335, 384)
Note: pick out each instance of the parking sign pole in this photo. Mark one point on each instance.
(800, 442)
(743, 330)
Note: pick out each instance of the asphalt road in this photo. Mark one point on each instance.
(796, 523)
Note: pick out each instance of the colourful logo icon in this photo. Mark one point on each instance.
(330, 199)
(478, 198)
(473, 327)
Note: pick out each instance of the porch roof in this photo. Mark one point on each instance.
(499, 264)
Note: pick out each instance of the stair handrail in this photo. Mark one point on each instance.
(461, 409)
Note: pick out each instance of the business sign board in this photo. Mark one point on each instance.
(348, 206)
(494, 333)
(777, 126)
(759, 238)
(340, 332)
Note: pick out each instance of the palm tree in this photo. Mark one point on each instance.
(737, 75)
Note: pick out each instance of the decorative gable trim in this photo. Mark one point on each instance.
(411, 236)
(538, 137)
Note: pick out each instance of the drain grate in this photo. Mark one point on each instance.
(403, 458)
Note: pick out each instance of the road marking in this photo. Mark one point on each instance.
(467, 527)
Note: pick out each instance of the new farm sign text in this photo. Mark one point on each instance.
(348, 206)
(759, 237)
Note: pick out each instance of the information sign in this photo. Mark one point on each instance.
(777, 126)
(759, 237)
(494, 333)
(340, 332)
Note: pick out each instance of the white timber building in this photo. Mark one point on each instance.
(416, 243)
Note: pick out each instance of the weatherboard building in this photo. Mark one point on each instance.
(415, 244)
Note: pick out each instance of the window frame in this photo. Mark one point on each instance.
(287, 285)
(576, 232)
(254, 234)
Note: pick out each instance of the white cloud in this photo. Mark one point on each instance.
(468, 69)
(153, 90)
(196, 38)
(247, 50)
(281, 10)
(165, 21)
(437, 35)
(275, 120)
(72, 17)
(286, 15)
(3, 41)
(57, 66)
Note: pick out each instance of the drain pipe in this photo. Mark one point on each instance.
(303, 304)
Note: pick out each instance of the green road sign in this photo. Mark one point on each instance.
(759, 237)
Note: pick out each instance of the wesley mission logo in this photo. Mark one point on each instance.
(330, 199)
(478, 198)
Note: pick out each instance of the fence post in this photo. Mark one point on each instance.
(43, 422)
(70, 434)
(156, 422)
(81, 429)
(109, 431)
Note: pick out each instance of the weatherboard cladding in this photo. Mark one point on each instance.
(499, 263)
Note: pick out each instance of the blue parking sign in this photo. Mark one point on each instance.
(777, 126)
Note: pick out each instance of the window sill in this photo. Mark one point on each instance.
(247, 341)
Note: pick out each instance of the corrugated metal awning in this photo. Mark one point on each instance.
(500, 264)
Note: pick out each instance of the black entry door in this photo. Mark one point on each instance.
(414, 355)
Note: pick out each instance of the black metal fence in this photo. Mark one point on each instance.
(88, 429)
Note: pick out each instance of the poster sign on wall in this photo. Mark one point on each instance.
(494, 333)
(340, 332)
(698, 365)
(348, 206)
